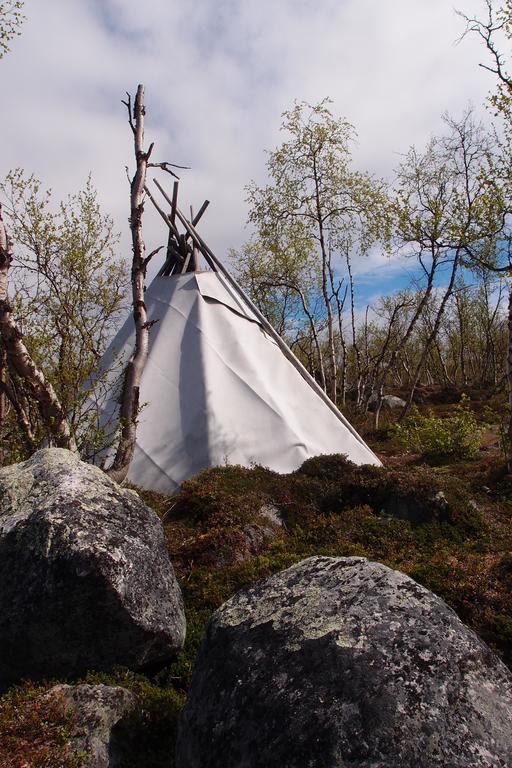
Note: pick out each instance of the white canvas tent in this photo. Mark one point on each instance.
(219, 386)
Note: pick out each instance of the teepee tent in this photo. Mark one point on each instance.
(219, 386)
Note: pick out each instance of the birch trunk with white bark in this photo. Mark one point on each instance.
(20, 360)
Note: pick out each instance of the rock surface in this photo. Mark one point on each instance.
(340, 662)
(85, 578)
(98, 709)
(391, 402)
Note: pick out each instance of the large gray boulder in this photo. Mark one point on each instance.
(340, 662)
(85, 578)
(389, 402)
(97, 710)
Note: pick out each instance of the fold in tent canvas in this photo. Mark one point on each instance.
(217, 389)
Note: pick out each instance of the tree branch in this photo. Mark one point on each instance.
(128, 105)
(165, 166)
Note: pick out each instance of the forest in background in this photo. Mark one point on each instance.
(446, 214)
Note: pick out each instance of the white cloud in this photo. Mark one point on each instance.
(217, 76)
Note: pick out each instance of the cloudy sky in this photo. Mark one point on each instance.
(218, 74)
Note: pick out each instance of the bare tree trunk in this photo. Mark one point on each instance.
(357, 351)
(380, 399)
(326, 297)
(340, 303)
(509, 382)
(19, 357)
(129, 408)
(3, 399)
(431, 338)
(316, 341)
(377, 363)
(412, 324)
(459, 304)
(367, 372)
(490, 373)
(446, 376)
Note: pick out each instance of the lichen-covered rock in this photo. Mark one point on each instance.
(271, 513)
(97, 710)
(390, 402)
(85, 578)
(338, 663)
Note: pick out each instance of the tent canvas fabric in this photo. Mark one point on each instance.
(217, 389)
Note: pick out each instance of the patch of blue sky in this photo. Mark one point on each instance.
(390, 277)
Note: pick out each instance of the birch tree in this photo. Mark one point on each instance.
(317, 202)
(15, 352)
(449, 208)
(68, 290)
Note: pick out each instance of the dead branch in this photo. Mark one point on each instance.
(153, 253)
(167, 167)
(128, 105)
(487, 30)
(129, 407)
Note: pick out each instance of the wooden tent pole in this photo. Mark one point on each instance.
(162, 213)
(174, 203)
(197, 217)
(190, 227)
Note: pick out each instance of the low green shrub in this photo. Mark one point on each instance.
(454, 437)
(224, 496)
(327, 468)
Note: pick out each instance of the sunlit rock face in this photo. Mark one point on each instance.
(85, 579)
(344, 662)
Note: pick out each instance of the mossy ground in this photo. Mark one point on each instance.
(447, 526)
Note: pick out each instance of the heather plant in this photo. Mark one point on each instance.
(37, 730)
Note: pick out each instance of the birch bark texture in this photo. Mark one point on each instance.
(20, 360)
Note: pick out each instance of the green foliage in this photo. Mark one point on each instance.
(313, 185)
(454, 437)
(69, 295)
(11, 19)
(35, 731)
(328, 468)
